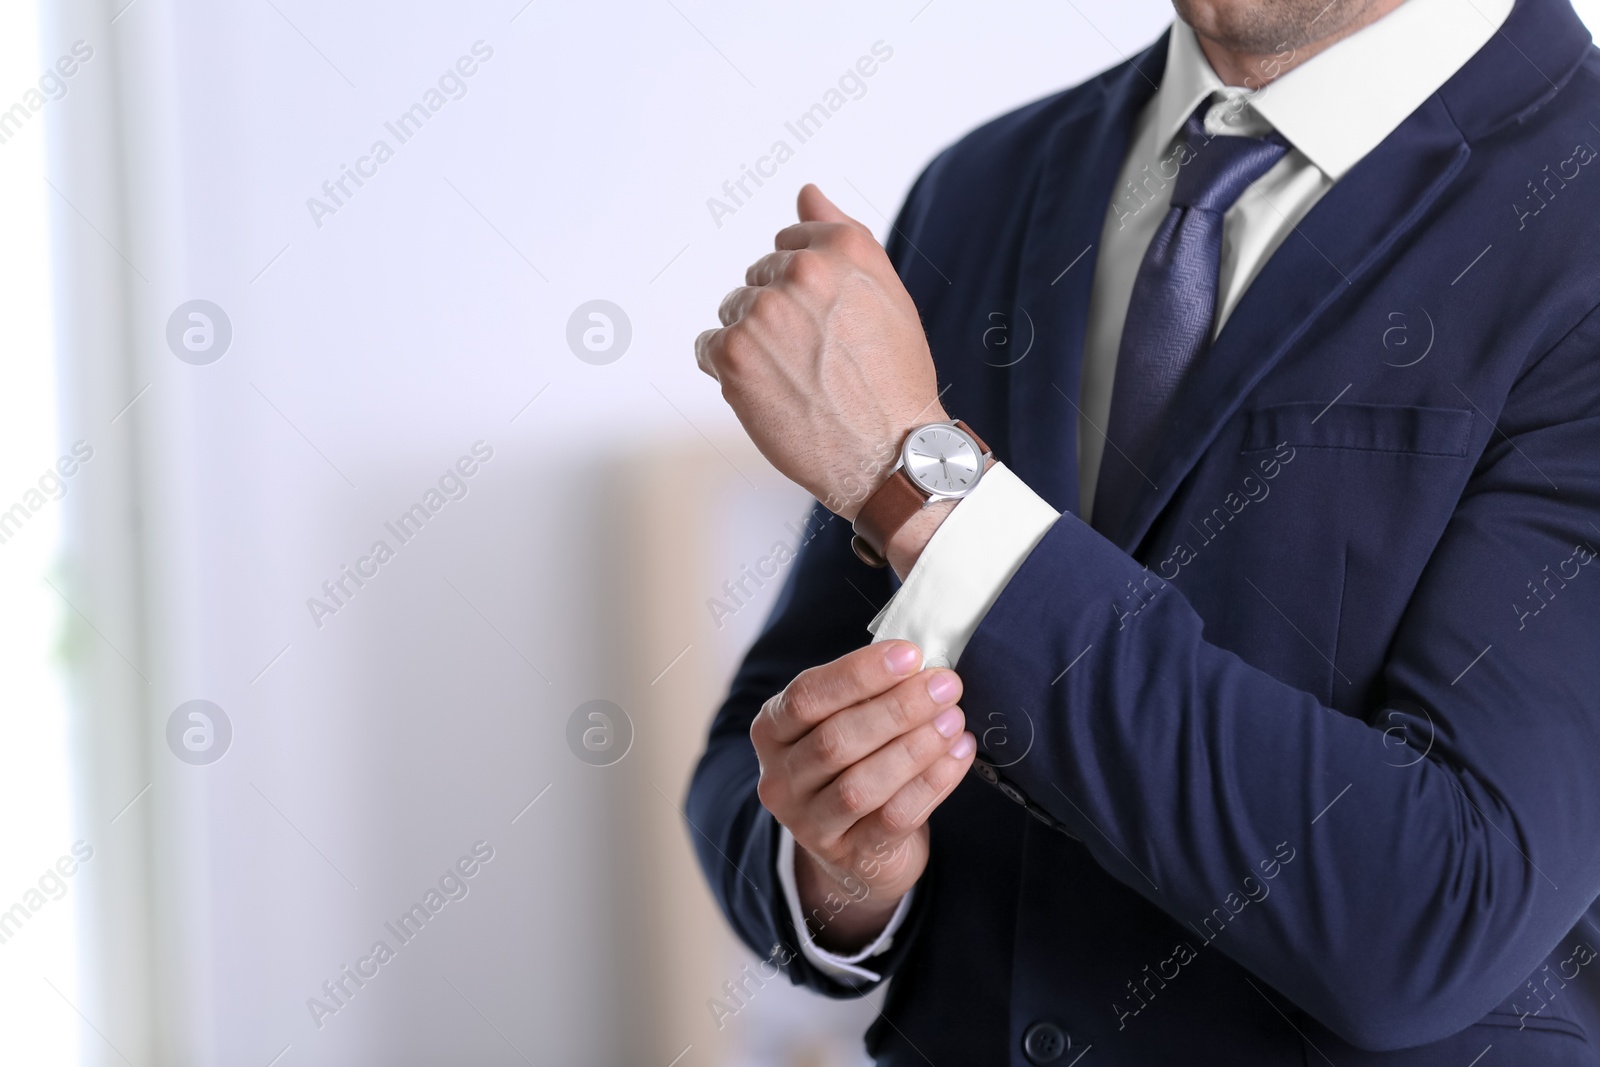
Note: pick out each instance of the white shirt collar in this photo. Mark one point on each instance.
(1340, 104)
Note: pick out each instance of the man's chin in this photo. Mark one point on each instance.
(1267, 27)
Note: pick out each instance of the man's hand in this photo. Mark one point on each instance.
(823, 358)
(855, 755)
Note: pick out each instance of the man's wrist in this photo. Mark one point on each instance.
(872, 470)
(843, 915)
(908, 542)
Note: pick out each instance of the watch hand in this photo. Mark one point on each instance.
(945, 465)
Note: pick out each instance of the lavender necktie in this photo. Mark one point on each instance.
(1174, 301)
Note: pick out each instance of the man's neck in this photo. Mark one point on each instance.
(1252, 69)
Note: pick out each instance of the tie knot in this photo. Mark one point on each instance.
(1214, 171)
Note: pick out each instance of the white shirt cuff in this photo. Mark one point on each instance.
(842, 969)
(965, 566)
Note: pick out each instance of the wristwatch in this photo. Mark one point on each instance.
(938, 461)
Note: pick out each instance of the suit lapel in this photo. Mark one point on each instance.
(1082, 159)
(1352, 227)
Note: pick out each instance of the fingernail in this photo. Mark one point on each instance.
(965, 746)
(903, 659)
(948, 722)
(943, 687)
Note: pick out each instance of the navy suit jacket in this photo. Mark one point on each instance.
(1302, 763)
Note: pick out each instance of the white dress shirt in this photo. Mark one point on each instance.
(1333, 109)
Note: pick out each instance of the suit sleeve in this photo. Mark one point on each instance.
(1429, 879)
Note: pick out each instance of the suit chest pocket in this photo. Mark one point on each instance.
(1392, 428)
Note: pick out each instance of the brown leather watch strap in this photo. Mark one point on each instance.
(983, 449)
(890, 507)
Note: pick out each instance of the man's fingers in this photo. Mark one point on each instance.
(736, 304)
(803, 235)
(768, 269)
(703, 346)
(813, 206)
(915, 801)
(870, 784)
(819, 692)
(848, 737)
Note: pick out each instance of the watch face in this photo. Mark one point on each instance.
(941, 460)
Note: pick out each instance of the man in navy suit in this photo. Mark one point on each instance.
(1234, 686)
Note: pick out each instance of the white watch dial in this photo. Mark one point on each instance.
(942, 460)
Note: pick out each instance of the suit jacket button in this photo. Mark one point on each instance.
(1045, 1042)
(1043, 816)
(985, 771)
(1014, 793)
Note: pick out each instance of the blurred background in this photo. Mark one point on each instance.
(372, 553)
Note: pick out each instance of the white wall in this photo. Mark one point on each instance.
(367, 355)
